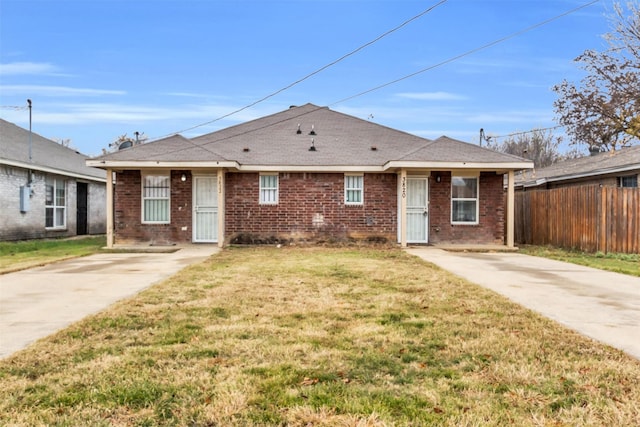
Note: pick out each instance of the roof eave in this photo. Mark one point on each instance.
(157, 164)
(487, 166)
(46, 169)
(573, 176)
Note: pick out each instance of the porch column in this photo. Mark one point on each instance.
(403, 208)
(221, 207)
(510, 210)
(110, 208)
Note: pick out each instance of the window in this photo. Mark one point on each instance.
(55, 203)
(268, 189)
(155, 199)
(628, 181)
(464, 200)
(353, 189)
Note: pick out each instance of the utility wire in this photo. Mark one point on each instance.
(424, 69)
(343, 57)
(490, 137)
(467, 53)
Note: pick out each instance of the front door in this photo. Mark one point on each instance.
(82, 208)
(205, 209)
(417, 220)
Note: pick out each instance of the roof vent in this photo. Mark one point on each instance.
(298, 131)
(313, 145)
(246, 149)
(313, 132)
(374, 148)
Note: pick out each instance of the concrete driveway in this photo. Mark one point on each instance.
(601, 305)
(35, 303)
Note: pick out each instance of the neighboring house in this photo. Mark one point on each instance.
(620, 168)
(46, 189)
(309, 173)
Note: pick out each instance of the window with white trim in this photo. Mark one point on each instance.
(268, 189)
(464, 200)
(55, 203)
(156, 201)
(353, 189)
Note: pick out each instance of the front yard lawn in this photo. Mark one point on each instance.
(16, 256)
(616, 262)
(323, 337)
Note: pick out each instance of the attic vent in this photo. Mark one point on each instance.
(313, 131)
(246, 149)
(298, 131)
(313, 145)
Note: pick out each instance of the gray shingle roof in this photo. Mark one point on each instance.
(339, 140)
(45, 153)
(625, 159)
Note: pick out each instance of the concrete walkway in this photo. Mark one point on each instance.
(602, 305)
(37, 302)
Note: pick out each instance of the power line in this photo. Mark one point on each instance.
(467, 53)
(489, 137)
(452, 59)
(343, 57)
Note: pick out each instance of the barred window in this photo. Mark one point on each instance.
(269, 189)
(155, 199)
(353, 189)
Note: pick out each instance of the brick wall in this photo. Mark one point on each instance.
(311, 206)
(490, 228)
(128, 226)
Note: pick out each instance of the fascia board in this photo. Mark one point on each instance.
(293, 168)
(459, 165)
(52, 170)
(155, 164)
(594, 174)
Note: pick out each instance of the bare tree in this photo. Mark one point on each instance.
(540, 146)
(604, 111)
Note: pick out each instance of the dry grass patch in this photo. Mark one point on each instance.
(323, 337)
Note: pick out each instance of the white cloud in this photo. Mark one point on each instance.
(21, 68)
(431, 96)
(36, 90)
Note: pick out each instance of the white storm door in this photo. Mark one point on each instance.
(417, 220)
(205, 209)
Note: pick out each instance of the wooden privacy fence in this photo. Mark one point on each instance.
(588, 218)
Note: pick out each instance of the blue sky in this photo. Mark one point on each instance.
(102, 68)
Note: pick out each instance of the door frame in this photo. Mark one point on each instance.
(194, 222)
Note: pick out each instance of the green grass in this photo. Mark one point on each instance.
(25, 254)
(616, 262)
(317, 336)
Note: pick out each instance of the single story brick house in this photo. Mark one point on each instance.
(46, 189)
(309, 173)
